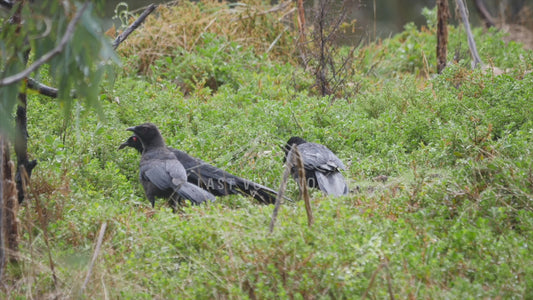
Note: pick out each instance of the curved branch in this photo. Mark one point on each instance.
(41, 88)
(45, 58)
(133, 26)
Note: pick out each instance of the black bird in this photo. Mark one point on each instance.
(321, 167)
(161, 174)
(211, 178)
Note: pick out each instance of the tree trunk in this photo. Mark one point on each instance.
(442, 34)
(24, 166)
(9, 207)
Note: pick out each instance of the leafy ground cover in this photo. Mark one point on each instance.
(452, 220)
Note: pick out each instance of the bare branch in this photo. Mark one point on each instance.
(53, 92)
(95, 254)
(41, 88)
(45, 58)
(303, 184)
(282, 188)
(133, 26)
(470, 37)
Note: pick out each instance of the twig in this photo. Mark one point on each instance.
(389, 278)
(46, 239)
(95, 255)
(282, 188)
(471, 42)
(384, 264)
(121, 37)
(304, 193)
(45, 58)
(275, 41)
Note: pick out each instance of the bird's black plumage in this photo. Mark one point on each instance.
(211, 178)
(161, 173)
(321, 167)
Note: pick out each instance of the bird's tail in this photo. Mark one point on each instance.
(332, 183)
(193, 193)
(259, 192)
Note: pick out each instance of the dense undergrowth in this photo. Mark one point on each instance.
(453, 220)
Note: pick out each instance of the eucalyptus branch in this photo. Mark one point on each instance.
(124, 35)
(48, 56)
(53, 92)
(42, 88)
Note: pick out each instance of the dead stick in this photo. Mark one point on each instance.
(304, 193)
(95, 254)
(282, 188)
(121, 37)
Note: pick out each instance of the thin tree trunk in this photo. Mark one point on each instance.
(9, 206)
(442, 34)
(2, 236)
(24, 166)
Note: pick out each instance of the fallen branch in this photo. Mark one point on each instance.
(45, 58)
(95, 255)
(124, 35)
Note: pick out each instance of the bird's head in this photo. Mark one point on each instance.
(148, 134)
(295, 140)
(134, 142)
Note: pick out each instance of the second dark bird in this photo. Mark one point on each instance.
(321, 167)
(211, 178)
(161, 173)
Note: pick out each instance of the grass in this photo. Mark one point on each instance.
(453, 220)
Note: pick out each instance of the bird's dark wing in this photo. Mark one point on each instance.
(194, 193)
(332, 183)
(319, 157)
(165, 173)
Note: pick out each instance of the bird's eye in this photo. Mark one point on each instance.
(134, 138)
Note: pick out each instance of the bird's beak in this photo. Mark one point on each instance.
(131, 129)
(123, 145)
